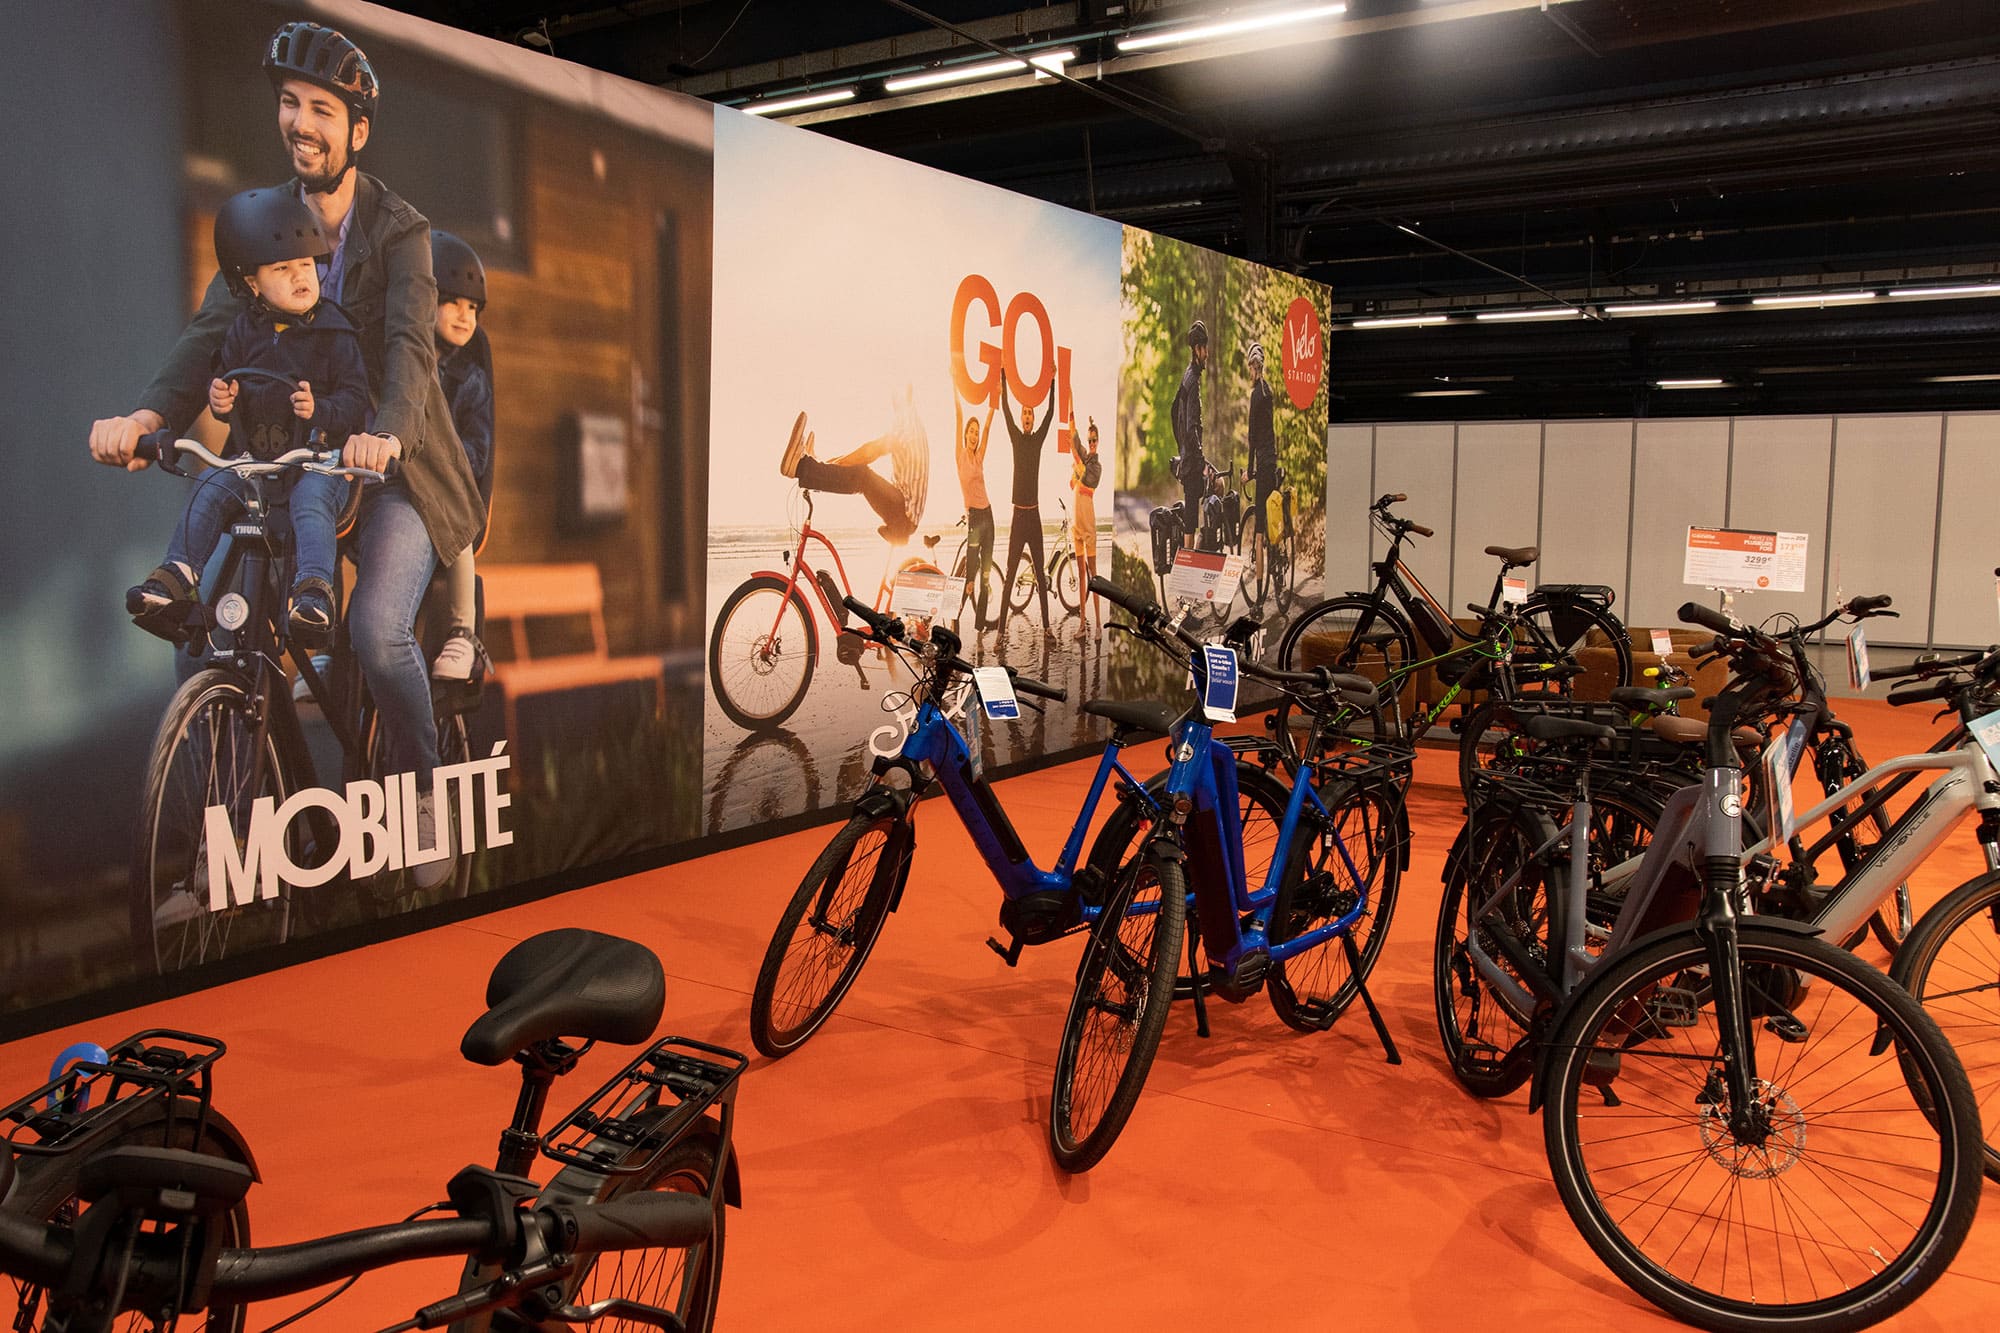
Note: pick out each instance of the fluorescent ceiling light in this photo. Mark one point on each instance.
(1687, 384)
(1444, 393)
(1198, 32)
(783, 104)
(1983, 289)
(985, 69)
(1559, 312)
(1660, 308)
(1398, 322)
(1812, 298)
(1959, 379)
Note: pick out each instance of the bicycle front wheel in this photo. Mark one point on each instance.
(1124, 987)
(826, 933)
(209, 755)
(1357, 869)
(1832, 1202)
(1496, 894)
(1951, 964)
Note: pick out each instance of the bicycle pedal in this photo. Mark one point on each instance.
(1786, 1028)
(1010, 954)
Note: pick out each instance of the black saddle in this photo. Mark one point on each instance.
(568, 983)
(1637, 697)
(1543, 727)
(1513, 556)
(1149, 718)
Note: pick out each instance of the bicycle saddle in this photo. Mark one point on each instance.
(1545, 728)
(1149, 718)
(934, 539)
(1643, 696)
(567, 983)
(1516, 555)
(1690, 731)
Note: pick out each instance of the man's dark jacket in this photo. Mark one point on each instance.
(391, 298)
(1186, 417)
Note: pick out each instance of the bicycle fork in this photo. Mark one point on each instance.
(1716, 928)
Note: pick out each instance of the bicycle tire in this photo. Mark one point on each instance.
(848, 910)
(46, 1189)
(172, 925)
(1488, 1043)
(1541, 613)
(1311, 990)
(1066, 579)
(1126, 953)
(1951, 964)
(1334, 623)
(1804, 990)
(397, 890)
(1255, 584)
(739, 654)
(661, 1278)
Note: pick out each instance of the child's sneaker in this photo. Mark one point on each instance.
(311, 618)
(799, 446)
(302, 692)
(461, 658)
(160, 604)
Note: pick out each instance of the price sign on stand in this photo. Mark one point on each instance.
(1745, 560)
(916, 595)
(1663, 643)
(1202, 577)
(1986, 730)
(1218, 695)
(1857, 661)
(1513, 590)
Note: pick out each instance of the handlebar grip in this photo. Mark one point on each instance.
(1420, 529)
(1397, 497)
(1941, 688)
(642, 1220)
(1118, 597)
(155, 446)
(1927, 666)
(1694, 613)
(1040, 689)
(869, 616)
(1868, 606)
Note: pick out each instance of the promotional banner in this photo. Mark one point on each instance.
(909, 369)
(253, 703)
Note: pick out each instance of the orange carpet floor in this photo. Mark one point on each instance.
(895, 1171)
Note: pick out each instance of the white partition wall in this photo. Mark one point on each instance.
(1350, 489)
(1885, 502)
(1586, 504)
(1499, 480)
(1778, 478)
(1968, 546)
(1419, 462)
(1682, 471)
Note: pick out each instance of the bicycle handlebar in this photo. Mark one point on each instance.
(1419, 529)
(1930, 666)
(1040, 689)
(885, 627)
(1708, 618)
(160, 446)
(1942, 687)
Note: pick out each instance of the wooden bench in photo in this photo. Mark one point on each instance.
(520, 593)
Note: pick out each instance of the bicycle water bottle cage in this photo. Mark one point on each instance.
(568, 983)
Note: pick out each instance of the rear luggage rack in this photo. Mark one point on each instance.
(615, 1133)
(157, 1065)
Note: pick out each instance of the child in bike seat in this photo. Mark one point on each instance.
(267, 243)
(465, 371)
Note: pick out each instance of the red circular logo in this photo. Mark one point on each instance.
(1304, 353)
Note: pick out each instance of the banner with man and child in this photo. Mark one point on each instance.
(440, 471)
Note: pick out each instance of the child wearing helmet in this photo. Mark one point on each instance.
(465, 371)
(267, 243)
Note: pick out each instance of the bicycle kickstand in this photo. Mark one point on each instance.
(1194, 984)
(1374, 1014)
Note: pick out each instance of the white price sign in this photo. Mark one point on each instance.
(1204, 577)
(1744, 560)
(916, 595)
(1513, 590)
(1663, 643)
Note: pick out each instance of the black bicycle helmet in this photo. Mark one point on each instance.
(326, 57)
(1197, 334)
(457, 269)
(264, 227)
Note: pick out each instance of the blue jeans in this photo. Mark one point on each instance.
(218, 501)
(394, 558)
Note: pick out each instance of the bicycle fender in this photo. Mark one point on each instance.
(1537, 1086)
(732, 1181)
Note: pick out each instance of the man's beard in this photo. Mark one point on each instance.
(333, 168)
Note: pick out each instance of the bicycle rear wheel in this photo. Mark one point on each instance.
(1359, 866)
(1844, 1197)
(687, 1281)
(206, 757)
(826, 932)
(1485, 1031)
(1951, 964)
(1066, 577)
(1124, 987)
(1570, 626)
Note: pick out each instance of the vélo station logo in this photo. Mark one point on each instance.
(1305, 353)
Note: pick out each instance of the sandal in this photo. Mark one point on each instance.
(161, 603)
(311, 616)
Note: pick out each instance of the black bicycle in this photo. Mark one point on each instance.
(229, 749)
(129, 1197)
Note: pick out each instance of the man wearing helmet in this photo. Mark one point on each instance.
(1186, 421)
(379, 272)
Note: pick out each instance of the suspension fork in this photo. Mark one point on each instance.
(1716, 928)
